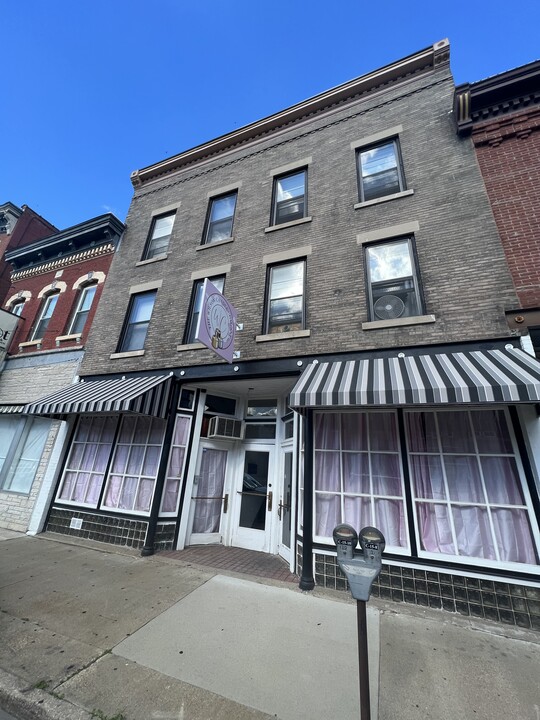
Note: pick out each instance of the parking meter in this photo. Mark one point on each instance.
(361, 568)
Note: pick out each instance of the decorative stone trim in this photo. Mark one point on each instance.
(63, 262)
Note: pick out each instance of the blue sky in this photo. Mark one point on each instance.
(94, 89)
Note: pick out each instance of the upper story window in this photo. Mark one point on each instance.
(219, 222)
(45, 314)
(195, 305)
(17, 307)
(285, 297)
(160, 235)
(380, 170)
(393, 286)
(86, 297)
(137, 321)
(289, 197)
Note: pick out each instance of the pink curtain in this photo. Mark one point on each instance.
(481, 478)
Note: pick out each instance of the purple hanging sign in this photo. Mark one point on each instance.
(216, 326)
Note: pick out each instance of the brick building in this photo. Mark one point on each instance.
(375, 379)
(502, 117)
(55, 285)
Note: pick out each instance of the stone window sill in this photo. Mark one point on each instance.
(156, 258)
(128, 354)
(386, 198)
(398, 322)
(283, 336)
(301, 221)
(190, 346)
(214, 244)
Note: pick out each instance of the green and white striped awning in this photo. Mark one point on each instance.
(480, 376)
(143, 394)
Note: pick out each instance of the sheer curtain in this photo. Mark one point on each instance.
(207, 514)
(358, 476)
(175, 469)
(468, 490)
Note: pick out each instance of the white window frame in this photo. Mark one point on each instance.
(124, 474)
(396, 550)
(82, 297)
(75, 443)
(180, 476)
(448, 503)
(41, 317)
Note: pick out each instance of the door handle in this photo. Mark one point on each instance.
(269, 496)
(225, 503)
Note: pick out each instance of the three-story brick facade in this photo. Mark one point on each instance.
(375, 379)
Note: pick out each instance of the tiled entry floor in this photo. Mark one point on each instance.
(234, 559)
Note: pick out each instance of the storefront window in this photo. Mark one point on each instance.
(85, 468)
(358, 476)
(135, 464)
(175, 469)
(469, 498)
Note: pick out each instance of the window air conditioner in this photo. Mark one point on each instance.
(225, 428)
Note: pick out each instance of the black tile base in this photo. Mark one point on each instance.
(485, 599)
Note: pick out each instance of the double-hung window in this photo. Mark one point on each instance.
(160, 235)
(393, 286)
(44, 316)
(380, 170)
(289, 197)
(195, 305)
(220, 218)
(84, 304)
(285, 297)
(137, 321)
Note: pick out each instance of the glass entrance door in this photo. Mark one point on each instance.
(208, 501)
(255, 500)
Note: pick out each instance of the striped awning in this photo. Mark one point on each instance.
(481, 376)
(11, 409)
(144, 395)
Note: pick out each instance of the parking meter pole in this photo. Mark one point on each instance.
(363, 666)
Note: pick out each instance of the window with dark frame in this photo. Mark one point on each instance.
(160, 235)
(195, 305)
(45, 314)
(380, 170)
(137, 321)
(84, 303)
(289, 197)
(220, 218)
(285, 298)
(392, 280)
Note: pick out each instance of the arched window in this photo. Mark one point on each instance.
(45, 314)
(84, 303)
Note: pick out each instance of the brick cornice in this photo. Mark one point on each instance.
(520, 126)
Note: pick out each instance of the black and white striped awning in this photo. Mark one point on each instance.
(481, 376)
(11, 409)
(144, 395)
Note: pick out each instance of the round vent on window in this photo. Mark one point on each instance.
(389, 307)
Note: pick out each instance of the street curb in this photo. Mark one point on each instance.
(29, 703)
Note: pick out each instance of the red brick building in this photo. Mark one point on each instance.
(18, 227)
(55, 284)
(502, 116)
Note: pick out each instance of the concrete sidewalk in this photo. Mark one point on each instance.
(90, 630)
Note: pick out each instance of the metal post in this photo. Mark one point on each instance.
(363, 667)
